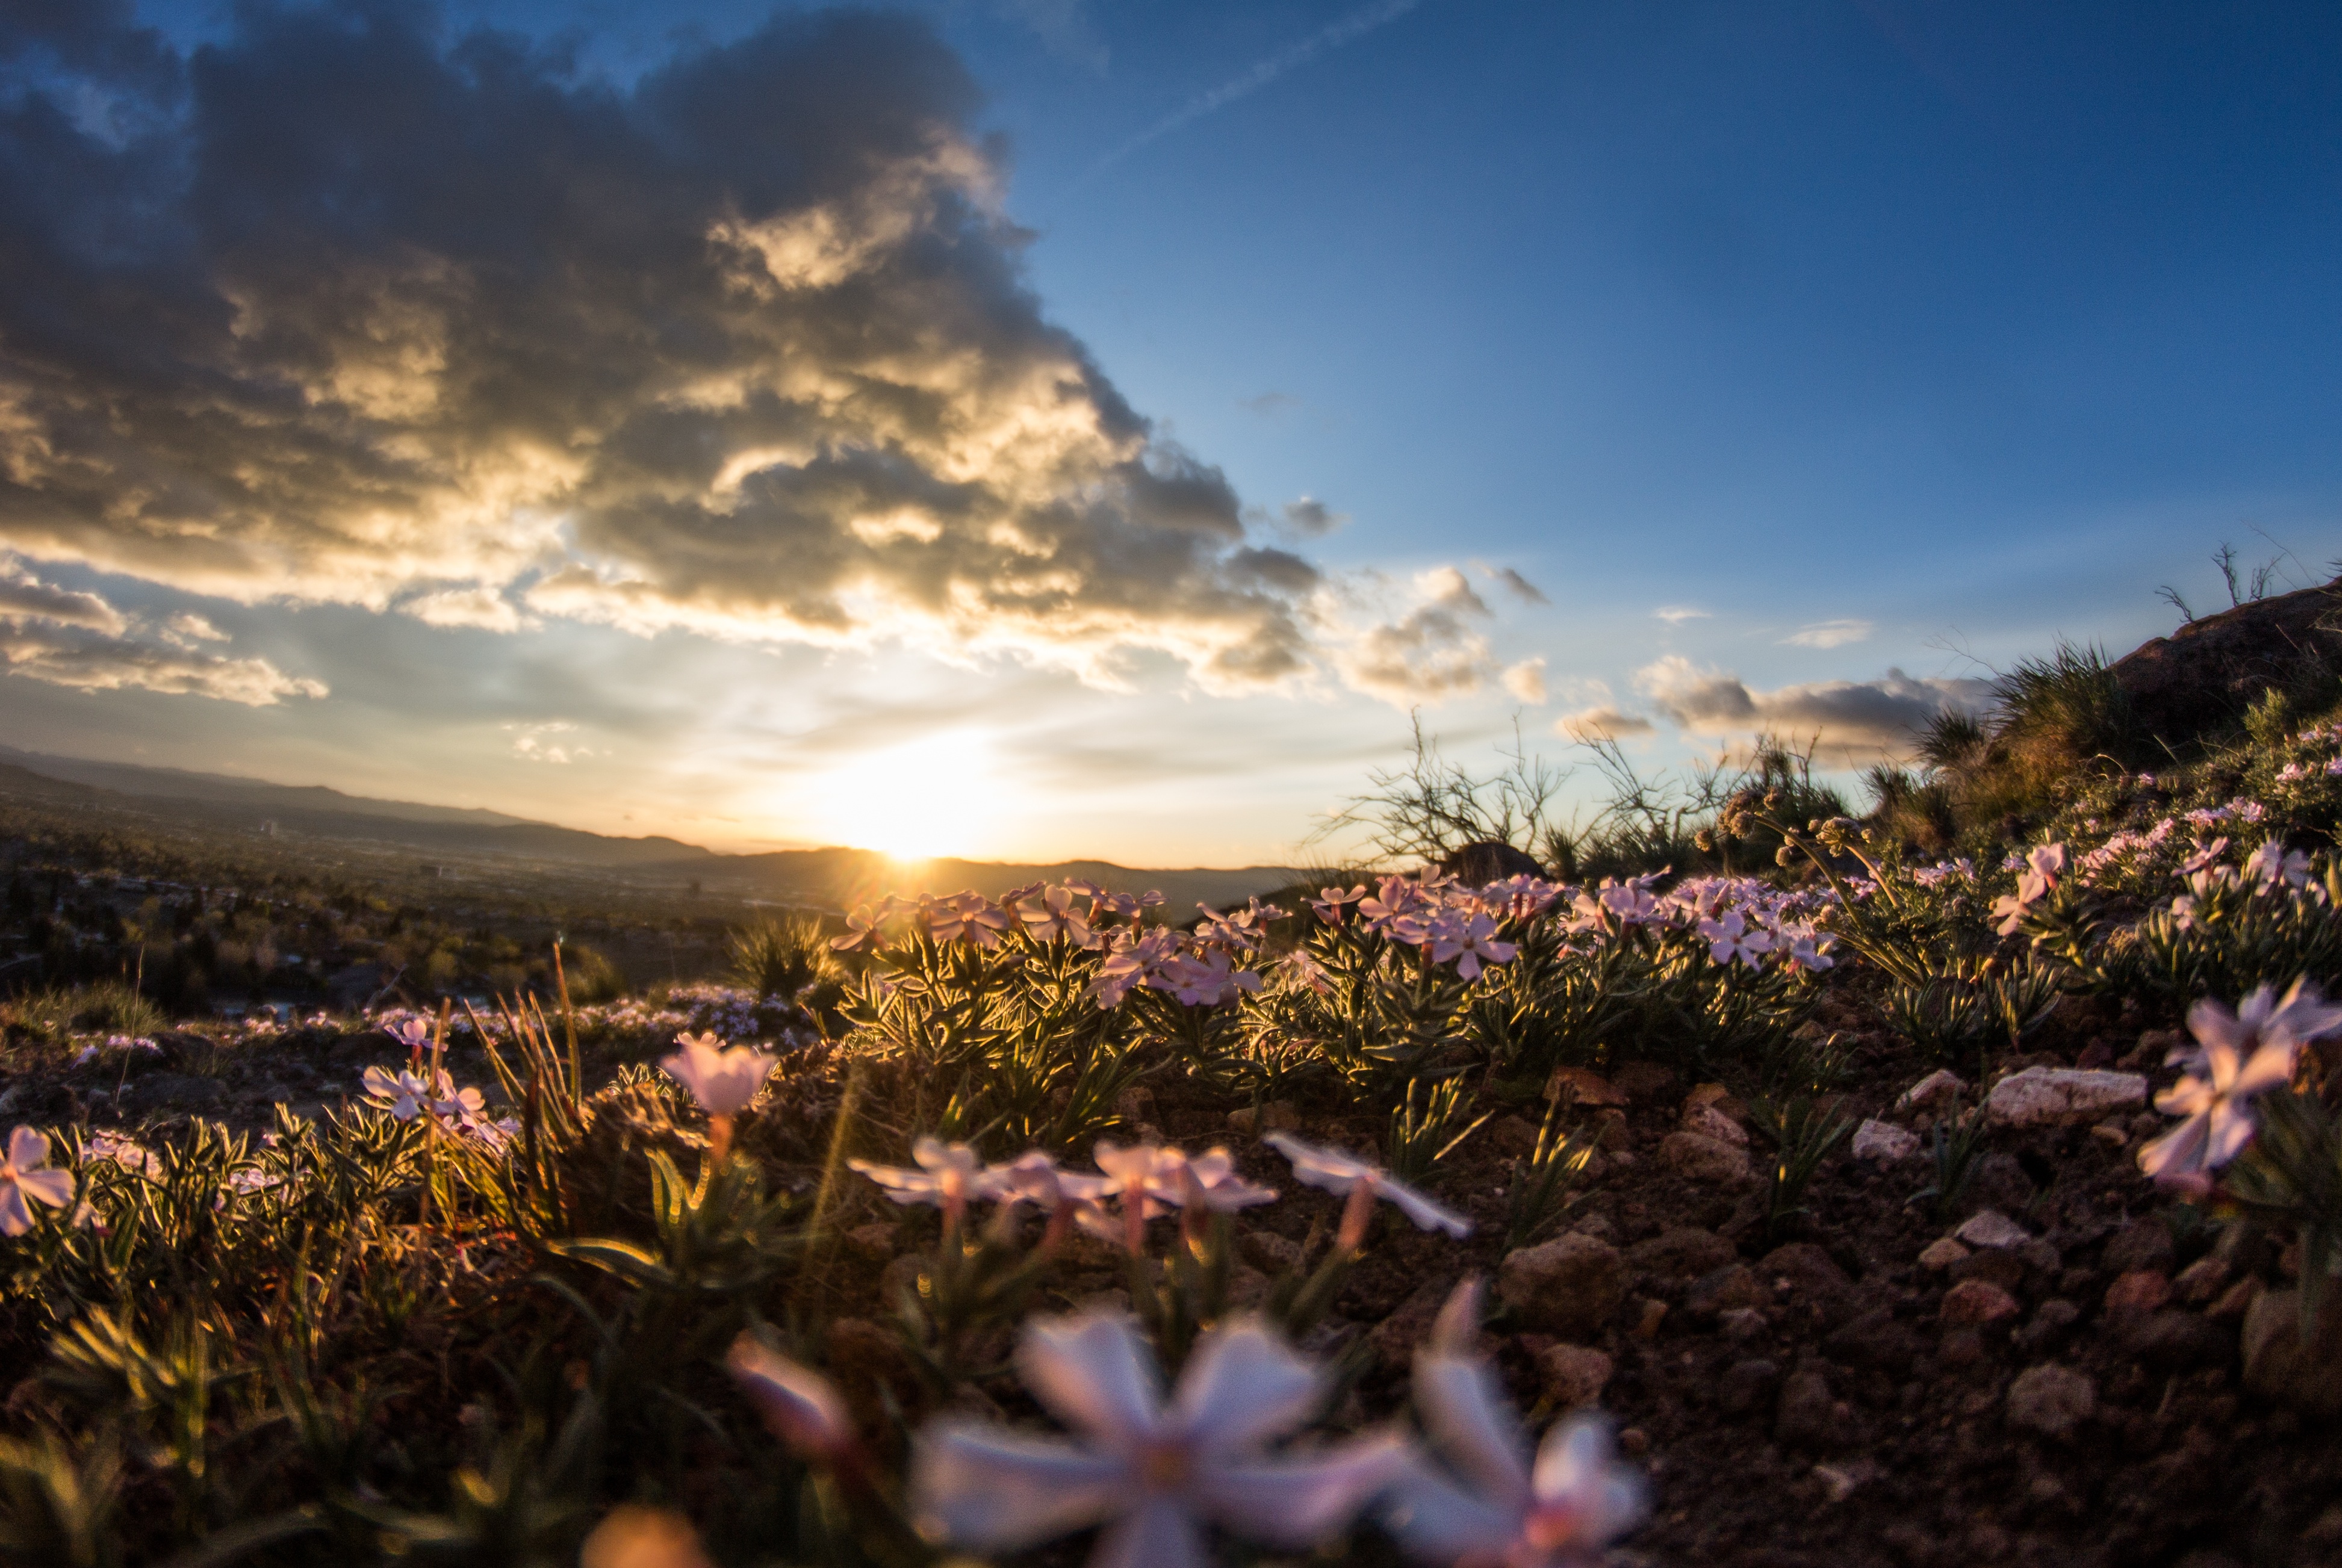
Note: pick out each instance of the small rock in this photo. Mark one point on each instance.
(1645, 1080)
(873, 1243)
(2054, 1096)
(2051, 1321)
(2051, 1400)
(1807, 1411)
(1586, 1087)
(1742, 1323)
(1883, 1142)
(1732, 1288)
(1615, 1134)
(1745, 1385)
(1573, 1374)
(1276, 1117)
(1876, 1339)
(2113, 1134)
(1976, 1303)
(1568, 1286)
(1394, 1338)
(1991, 1228)
(1839, 1481)
(2234, 1301)
(1633, 1442)
(1714, 1095)
(1941, 1253)
(1960, 1347)
(1682, 1254)
(1647, 1319)
(2141, 1244)
(1994, 1265)
(2172, 1340)
(1704, 1160)
(1810, 1272)
(1942, 1085)
(2281, 1364)
(1598, 1226)
(1708, 1122)
(2139, 1291)
(1997, 1181)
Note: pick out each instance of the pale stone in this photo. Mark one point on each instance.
(2283, 1364)
(1568, 1286)
(1991, 1228)
(2049, 1096)
(1878, 1140)
(2051, 1400)
(1701, 1159)
(1711, 1122)
(1941, 1085)
(1573, 1374)
(1586, 1087)
(1941, 1253)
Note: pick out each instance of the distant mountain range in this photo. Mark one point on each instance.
(836, 878)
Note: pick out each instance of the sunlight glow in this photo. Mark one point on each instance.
(937, 795)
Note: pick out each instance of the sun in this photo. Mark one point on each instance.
(937, 795)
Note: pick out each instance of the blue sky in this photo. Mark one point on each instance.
(1808, 361)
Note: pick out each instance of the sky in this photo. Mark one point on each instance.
(1037, 428)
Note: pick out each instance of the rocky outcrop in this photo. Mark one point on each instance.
(2208, 671)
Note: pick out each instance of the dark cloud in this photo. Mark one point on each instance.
(1312, 517)
(1528, 592)
(335, 311)
(70, 638)
(1849, 718)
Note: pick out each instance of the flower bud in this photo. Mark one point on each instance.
(1785, 856)
(800, 1406)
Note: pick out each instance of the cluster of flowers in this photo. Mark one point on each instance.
(1147, 1180)
(1156, 1474)
(1075, 912)
(431, 1092)
(125, 1045)
(2237, 1057)
(1962, 869)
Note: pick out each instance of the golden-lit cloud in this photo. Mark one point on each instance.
(1850, 721)
(69, 637)
(345, 314)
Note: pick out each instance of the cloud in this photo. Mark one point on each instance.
(1601, 723)
(1525, 680)
(1849, 719)
(70, 638)
(485, 608)
(1528, 592)
(1063, 25)
(1676, 615)
(333, 312)
(1313, 517)
(1432, 652)
(1829, 633)
(1269, 403)
(530, 744)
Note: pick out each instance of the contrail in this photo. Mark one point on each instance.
(1349, 29)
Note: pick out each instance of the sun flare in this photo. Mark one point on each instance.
(937, 795)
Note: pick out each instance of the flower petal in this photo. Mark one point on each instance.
(2232, 1127)
(2210, 1022)
(1464, 1409)
(28, 1149)
(1426, 1215)
(1573, 1467)
(993, 1489)
(1243, 1386)
(1092, 1372)
(54, 1188)
(1440, 1522)
(15, 1219)
(2178, 1152)
(1296, 1501)
(800, 1405)
(1155, 1535)
(2270, 1068)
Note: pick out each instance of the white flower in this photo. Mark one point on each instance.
(723, 1081)
(1155, 1476)
(26, 1173)
(1559, 1512)
(401, 1093)
(1033, 1177)
(1336, 1172)
(2272, 863)
(1472, 936)
(2239, 1056)
(949, 1175)
(1729, 938)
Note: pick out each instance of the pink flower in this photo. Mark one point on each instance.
(723, 1081)
(2238, 1055)
(1469, 938)
(27, 1174)
(948, 1175)
(1331, 901)
(1154, 1475)
(1058, 917)
(861, 927)
(1343, 1174)
(1729, 938)
(798, 1404)
(970, 916)
(1561, 1511)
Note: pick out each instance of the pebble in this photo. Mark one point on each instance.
(2053, 1096)
(1991, 1228)
(1703, 1158)
(1587, 1088)
(2201, 1280)
(1573, 1374)
(1807, 1411)
(1941, 1085)
(1276, 1117)
(1742, 1323)
(1568, 1286)
(2138, 1291)
(1732, 1288)
(1974, 1304)
(2051, 1321)
(1885, 1142)
(1645, 1080)
(1941, 1253)
(1708, 1122)
(2051, 1400)
(2113, 1134)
